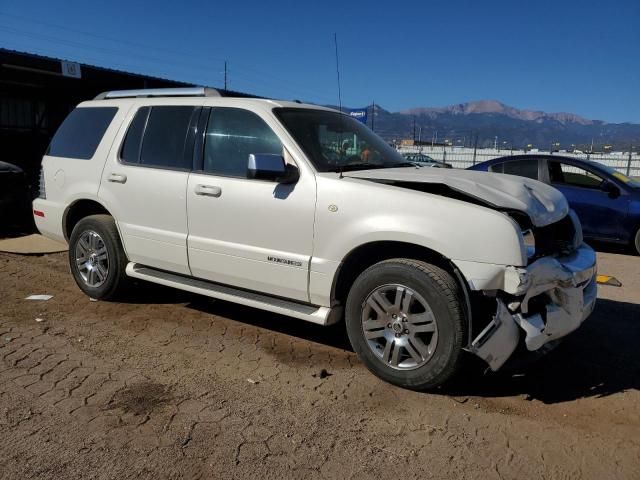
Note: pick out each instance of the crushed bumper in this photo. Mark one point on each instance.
(547, 300)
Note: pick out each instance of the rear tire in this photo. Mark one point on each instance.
(96, 257)
(636, 244)
(405, 322)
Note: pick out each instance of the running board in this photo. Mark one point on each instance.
(310, 313)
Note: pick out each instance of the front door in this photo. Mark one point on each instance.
(248, 233)
(602, 214)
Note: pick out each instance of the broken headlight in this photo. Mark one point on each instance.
(529, 243)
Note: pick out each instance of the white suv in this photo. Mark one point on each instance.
(303, 211)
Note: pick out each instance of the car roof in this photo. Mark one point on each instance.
(548, 156)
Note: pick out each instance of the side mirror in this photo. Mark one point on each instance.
(611, 189)
(268, 166)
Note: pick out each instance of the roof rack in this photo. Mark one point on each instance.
(172, 92)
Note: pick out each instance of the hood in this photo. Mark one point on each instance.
(543, 203)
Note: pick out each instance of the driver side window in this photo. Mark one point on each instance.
(232, 135)
(566, 174)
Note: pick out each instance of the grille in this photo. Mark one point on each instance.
(557, 238)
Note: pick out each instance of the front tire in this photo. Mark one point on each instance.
(636, 243)
(96, 257)
(405, 322)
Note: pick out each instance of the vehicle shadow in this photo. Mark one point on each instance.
(333, 336)
(606, 247)
(599, 359)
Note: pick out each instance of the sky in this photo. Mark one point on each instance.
(581, 57)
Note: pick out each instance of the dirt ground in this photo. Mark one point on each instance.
(172, 385)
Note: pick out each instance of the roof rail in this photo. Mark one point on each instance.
(160, 92)
(172, 92)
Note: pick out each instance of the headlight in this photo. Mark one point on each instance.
(577, 237)
(529, 243)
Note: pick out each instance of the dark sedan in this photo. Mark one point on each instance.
(606, 201)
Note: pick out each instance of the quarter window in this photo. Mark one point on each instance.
(80, 134)
(232, 135)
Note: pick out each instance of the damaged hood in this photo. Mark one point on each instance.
(543, 203)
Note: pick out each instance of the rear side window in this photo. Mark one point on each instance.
(232, 135)
(160, 137)
(522, 168)
(80, 134)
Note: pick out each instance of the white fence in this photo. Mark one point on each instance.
(464, 157)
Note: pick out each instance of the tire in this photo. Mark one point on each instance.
(433, 309)
(96, 257)
(636, 243)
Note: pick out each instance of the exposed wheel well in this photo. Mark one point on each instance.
(77, 211)
(369, 254)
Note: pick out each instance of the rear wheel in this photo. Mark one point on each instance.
(637, 242)
(405, 322)
(96, 257)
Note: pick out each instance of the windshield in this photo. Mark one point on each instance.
(628, 181)
(335, 142)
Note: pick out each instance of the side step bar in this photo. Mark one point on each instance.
(310, 313)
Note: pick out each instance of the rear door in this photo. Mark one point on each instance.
(250, 233)
(602, 215)
(145, 180)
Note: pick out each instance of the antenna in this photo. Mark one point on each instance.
(225, 75)
(335, 41)
(373, 116)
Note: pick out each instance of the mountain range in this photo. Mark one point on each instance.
(485, 120)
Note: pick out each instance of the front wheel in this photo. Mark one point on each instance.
(637, 243)
(96, 257)
(404, 320)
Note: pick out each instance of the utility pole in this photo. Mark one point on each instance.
(495, 143)
(226, 83)
(414, 128)
(475, 149)
(629, 161)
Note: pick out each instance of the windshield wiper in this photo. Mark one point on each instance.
(355, 166)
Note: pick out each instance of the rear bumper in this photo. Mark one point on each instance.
(545, 301)
(49, 225)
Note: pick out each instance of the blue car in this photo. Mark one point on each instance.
(606, 201)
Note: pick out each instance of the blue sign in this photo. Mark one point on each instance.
(359, 114)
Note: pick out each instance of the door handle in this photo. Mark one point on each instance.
(117, 178)
(208, 190)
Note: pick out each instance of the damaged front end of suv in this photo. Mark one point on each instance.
(544, 297)
(545, 300)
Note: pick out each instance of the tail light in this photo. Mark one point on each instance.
(43, 191)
